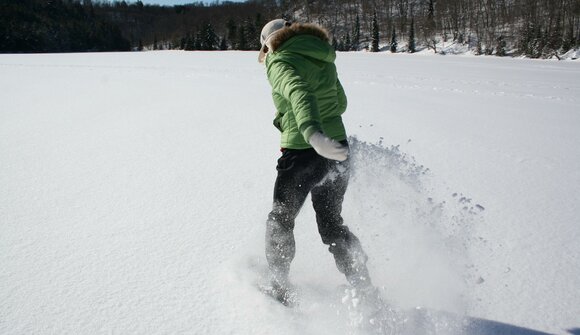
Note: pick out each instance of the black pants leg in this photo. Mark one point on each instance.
(301, 172)
(327, 200)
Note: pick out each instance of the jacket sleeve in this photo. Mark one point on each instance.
(342, 102)
(287, 82)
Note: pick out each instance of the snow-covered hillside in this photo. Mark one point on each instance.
(134, 190)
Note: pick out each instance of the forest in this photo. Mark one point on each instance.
(532, 28)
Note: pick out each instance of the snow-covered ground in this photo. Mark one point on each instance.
(134, 189)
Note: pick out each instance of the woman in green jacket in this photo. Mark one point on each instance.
(309, 101)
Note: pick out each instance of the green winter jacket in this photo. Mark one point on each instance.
(307, 93)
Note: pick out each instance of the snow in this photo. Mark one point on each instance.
(134, 189)
(571, 55)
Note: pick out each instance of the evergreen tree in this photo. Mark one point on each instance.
(198, 41)
(190, 42)
(555, 38)
(232, 34)
(394, 43)
(335, 43)
(340, 46)
(347, 43)
(356, 35)
(501, 47)
(479, 49)
(252, 34)
(429, 28)
(569, 41)
(375, 34)
(242, 41)
(259, 22)
(223, 44)
(411, 48)
(542, 42)
(209, 39)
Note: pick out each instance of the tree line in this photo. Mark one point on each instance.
(535, 28)
(56, 26)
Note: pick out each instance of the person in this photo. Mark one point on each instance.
(309, 101)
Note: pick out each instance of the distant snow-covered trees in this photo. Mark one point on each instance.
(534, 28)
(57, 26)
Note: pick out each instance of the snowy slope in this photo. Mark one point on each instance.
(134, 189)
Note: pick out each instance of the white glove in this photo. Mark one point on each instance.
(327, 147)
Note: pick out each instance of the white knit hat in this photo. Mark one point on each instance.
(269, 30)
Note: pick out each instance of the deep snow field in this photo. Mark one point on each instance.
(134, 189)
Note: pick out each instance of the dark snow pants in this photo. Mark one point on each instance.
(301, 172)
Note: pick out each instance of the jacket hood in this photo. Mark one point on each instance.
(308, 45)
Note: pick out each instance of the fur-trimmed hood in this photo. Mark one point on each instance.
(304, 39)
(296, 29)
